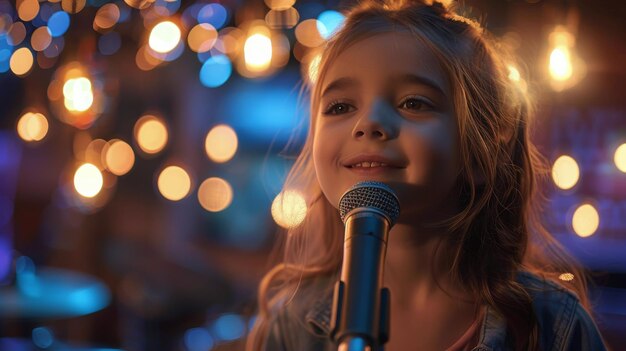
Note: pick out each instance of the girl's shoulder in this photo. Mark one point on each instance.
(563, 321)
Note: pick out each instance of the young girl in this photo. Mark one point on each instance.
(413, 95)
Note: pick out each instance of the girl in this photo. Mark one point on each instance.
(413, 95)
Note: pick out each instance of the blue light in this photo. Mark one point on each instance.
(215, 71)
(42, 337)
(198, 339)
(328, 22)
(124, 12)
(190, 14)
(58, 23)
(275, 113)
(109, 43)
(5, 57)
(213, 14)
(229, 327)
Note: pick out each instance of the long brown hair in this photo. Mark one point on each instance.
(498, 226)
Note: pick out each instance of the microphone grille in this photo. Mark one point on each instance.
(370, 194)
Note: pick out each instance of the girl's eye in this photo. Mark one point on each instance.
(337, 108)
(416, 103)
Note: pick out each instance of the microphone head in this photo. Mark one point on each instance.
(370, 195)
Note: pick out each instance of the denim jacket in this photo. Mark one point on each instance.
(563, 323)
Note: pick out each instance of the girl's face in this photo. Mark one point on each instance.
(386, 114)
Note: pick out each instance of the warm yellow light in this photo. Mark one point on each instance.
(32, 126)
(566, 277)
(78, 94)
(174, 183)
(88, 180)
(308, 34)
(561, 63)
(202, 37)
(27, 10)
(21, 61)
(106, 17)
(289, 209)
(221, 143)
(586, 220)
(565, 172)
(257, 52)
(151, 134)
(279, 5)
(215, 194)
(313, 71)
(119, 157)
(40, 39)
(620, 158)
(514, 74)
(164, 37)
(93, 152)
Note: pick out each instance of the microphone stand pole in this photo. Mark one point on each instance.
(360, 315)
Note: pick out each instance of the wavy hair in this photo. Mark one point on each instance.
(498, 226)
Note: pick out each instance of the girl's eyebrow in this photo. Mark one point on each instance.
(407, 78)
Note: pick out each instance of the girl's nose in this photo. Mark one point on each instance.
(378, 123)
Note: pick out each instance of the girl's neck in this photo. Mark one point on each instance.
(417, 264)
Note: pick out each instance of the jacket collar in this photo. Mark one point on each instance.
(492, 331)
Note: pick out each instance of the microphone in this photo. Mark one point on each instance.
(360, 315)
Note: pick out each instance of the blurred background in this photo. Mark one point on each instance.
(143, 145)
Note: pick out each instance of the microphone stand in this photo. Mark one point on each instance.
(360, 315)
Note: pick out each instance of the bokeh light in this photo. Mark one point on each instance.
(27, 10)
(566, 277)
(258, 52)
(151, 134)
(561, 63)
(287, 18)
(119, 157)
(215, 71)
(586, 220)
(174, 183)
(565, 172)
(328, 22)
(221, 143)
(21, 61)
(139, 4)
(78, 95)
(32, 126)
(93, 153)
(42, 337)
(17, 33)
(198, 339)
(107, 16)
(40, 39)
(58, 23)
(229, 327)
(88, 180)
(214, 14)
(620, 158)
(202, 37)
(308, 34)
(164, 37)
(289, 209)
(215, 194)
(279, 5)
